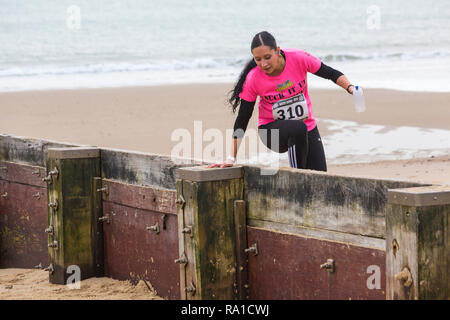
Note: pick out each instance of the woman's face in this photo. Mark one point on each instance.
(267, 59)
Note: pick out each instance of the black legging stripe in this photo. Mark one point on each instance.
(305, 149)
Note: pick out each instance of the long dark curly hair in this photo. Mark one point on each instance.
(263, 38)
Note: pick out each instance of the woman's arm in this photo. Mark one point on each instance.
(334, 75)
(240, 125)
(343, 82)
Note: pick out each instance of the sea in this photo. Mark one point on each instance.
(53, 44)
(394, 44)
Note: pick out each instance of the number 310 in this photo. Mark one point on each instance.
(298, 113)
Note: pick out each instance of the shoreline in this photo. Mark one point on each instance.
(333, 87)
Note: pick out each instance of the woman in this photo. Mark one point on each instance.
(286, 121)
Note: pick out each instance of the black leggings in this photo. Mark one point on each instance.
(305, 148)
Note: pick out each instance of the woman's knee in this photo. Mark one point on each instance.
(271, 139)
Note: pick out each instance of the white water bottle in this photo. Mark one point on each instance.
(358, 98)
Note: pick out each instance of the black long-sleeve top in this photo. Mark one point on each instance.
(246, 107)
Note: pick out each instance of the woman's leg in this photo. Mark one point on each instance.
(316, 154)
(291, 136)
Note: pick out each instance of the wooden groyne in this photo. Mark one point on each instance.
(231, 233)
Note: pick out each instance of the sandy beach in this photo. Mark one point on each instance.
(144, 118)
(32, 284)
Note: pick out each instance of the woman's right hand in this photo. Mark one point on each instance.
(225, 164)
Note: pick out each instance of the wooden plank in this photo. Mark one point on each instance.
(215, 216)
(240, 225)
(287, 267)
(141, 169)
(322, 234)
(184, 274)
(211, 249)
(434, 252)
(27, 150)
(74, 153)
(319, 200)
(133, 252)
(148, 198)
(201, 173)
(97, 229)
(72, 220)
(187, 219)
(418, 247)
(420, 196)
(23, 219)
(22, 173)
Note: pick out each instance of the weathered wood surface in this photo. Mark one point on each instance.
(27, 150)
(418, 247)
(128, 166)
(210, 249)
(141, 197)
(352, 239)
(288, 267)
(420, 196)
(23, 215)
(240, 226)
(434, 252)
(74, 216)
(186, 246)
(23, 219)
(133, 252)
(202, 173)
(140, 168)
(319, 200)
(22, 173)
(97, 228)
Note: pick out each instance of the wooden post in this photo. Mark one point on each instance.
(418, 243)
(207, 234)
(240, 224)
(73, 213)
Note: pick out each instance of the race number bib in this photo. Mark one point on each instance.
(293, 108)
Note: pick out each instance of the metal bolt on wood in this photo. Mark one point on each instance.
(104, 190)
(105, 218)
(405, 276)
(329, 265)
(182, 260)
(50, 268)
(253, 249)
(191, 289)
(50, 175)
(54, 172)
(5, 195)
(53, 205)
(188, 230)
(154, 228)
(180, 201)
(37, 196)
(49, 230)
